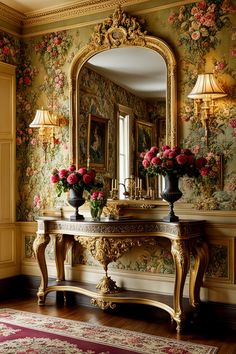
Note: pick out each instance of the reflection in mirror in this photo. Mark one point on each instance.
(142, 88)
(134, 92)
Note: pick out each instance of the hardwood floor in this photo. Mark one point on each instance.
(131, 317)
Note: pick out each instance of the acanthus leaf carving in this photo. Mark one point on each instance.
(107, 250)
(118, 29)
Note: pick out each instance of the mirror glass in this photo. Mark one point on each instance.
(123, 101)
(133, 84)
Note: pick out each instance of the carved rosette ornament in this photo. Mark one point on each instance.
(119, 29)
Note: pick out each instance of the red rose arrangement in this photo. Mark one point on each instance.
(70, 178)
(177, 161)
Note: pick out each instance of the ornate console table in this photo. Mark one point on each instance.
(107, 241)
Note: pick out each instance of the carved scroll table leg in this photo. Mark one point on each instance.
(39, 246)
(180, 253)
(201, 257)
(62, 245)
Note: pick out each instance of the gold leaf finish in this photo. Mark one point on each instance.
(109, 240)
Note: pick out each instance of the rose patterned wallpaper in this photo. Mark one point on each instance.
(203, 37)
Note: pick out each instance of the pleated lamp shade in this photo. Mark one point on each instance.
(206, 87)
(43, 119)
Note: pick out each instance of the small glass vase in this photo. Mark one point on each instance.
(96, 213)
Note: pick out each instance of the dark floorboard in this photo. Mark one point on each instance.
(138, 318)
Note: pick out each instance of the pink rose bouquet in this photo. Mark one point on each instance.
(98, 199)
(177, 161)
(71, 178)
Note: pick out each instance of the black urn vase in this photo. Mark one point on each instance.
(171, 194)
(75, 199)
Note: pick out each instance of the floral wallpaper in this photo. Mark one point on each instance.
(205, 41)
(219, 262)
(203, 36)
(204, 28)
(41, 82)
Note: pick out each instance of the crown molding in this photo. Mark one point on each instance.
(58, 16)
(11, 16)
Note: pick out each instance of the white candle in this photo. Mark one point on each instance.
(112, 184)
(115, 184)
(140, 184)
(88, 135)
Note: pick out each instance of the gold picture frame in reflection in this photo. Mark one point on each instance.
(144, 136)
(144, 140)
(97, 143)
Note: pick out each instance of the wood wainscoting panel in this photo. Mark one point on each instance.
(7, 183)
(9, 245)
(7, 143)
(7, 101)
(7, 249)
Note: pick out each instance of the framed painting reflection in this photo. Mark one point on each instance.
(97, 146)
(144, 136)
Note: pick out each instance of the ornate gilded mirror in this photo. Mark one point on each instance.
(120, 31)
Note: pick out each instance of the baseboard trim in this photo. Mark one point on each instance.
(211, 314)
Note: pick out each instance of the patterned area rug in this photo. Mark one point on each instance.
(29, 333)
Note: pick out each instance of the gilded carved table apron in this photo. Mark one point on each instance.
(108, 240)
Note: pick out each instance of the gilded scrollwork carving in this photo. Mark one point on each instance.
(118, 29)
(108, 249)
(113, 210)
(107, 286)
(104, 305)
(179, 250)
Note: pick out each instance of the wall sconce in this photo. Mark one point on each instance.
(205, 91)
(45, 122)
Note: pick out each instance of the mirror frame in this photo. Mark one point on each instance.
(118, 31)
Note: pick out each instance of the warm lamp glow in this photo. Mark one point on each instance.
(206, 87)
(45, 122)
(43, 119)
(205, 91)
